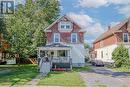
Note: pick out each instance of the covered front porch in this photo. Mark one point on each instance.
(57, 54)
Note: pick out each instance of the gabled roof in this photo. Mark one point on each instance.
(111, 31)
(65, 16)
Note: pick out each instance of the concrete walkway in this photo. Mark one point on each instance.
(103, 77)
(5, 71)
(35, 81)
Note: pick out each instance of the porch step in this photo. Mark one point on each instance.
(61, 69)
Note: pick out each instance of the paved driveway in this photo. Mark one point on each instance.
(103, 77)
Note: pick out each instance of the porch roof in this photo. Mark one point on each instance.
(55, 46)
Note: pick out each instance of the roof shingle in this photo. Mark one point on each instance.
(110, 31)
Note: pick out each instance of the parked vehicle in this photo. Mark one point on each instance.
(97, 63)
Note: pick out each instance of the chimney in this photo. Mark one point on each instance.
(128, 24)
(129, 19)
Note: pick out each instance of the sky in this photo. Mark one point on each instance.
(95, 15)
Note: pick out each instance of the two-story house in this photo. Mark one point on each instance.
(65, 43)
(105, 44)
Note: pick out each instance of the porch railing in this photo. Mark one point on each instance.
(61, 59)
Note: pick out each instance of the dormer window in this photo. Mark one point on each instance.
(68, 26)
(125, 37)
(65, 25)
(62, 26)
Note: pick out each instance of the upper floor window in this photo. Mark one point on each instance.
(101, 43)
(56, 37)
(125, 37)
(74, 37)
(65, 25)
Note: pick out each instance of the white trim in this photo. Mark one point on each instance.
(61, 18)
(55, 37)
(65, 24)
(48, 30)
(127, 36)
(83, 30)
(54, 48)
(52, 24)
(71, 37)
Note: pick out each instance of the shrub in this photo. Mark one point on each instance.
(120, 56)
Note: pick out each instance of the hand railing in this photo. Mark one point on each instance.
(61, 59)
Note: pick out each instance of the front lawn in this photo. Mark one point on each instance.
(69, 79)
(17, 75)
(123, 69)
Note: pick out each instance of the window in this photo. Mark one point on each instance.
(125, 37)
(74, 37)
(68, 26)
(101, 43)
(62, 53)
(65, 25)
(56, 37)
(62, 26)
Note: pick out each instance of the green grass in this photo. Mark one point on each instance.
(87, 68)
(67, 79)
(17, 75)
(123, 69)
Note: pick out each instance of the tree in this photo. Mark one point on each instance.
(87, 46)
(3, 26)
(25, 28)
(120, 56)
(3, 31)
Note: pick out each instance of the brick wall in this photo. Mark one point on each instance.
(65, 36)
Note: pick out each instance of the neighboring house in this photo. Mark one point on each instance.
(65, 44)
(87, 54)
(105, 44)
(4, 54)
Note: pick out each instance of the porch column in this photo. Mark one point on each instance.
(38, 53)
(55, 53)
(70, 58)
(38, 56)
(70, 54)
